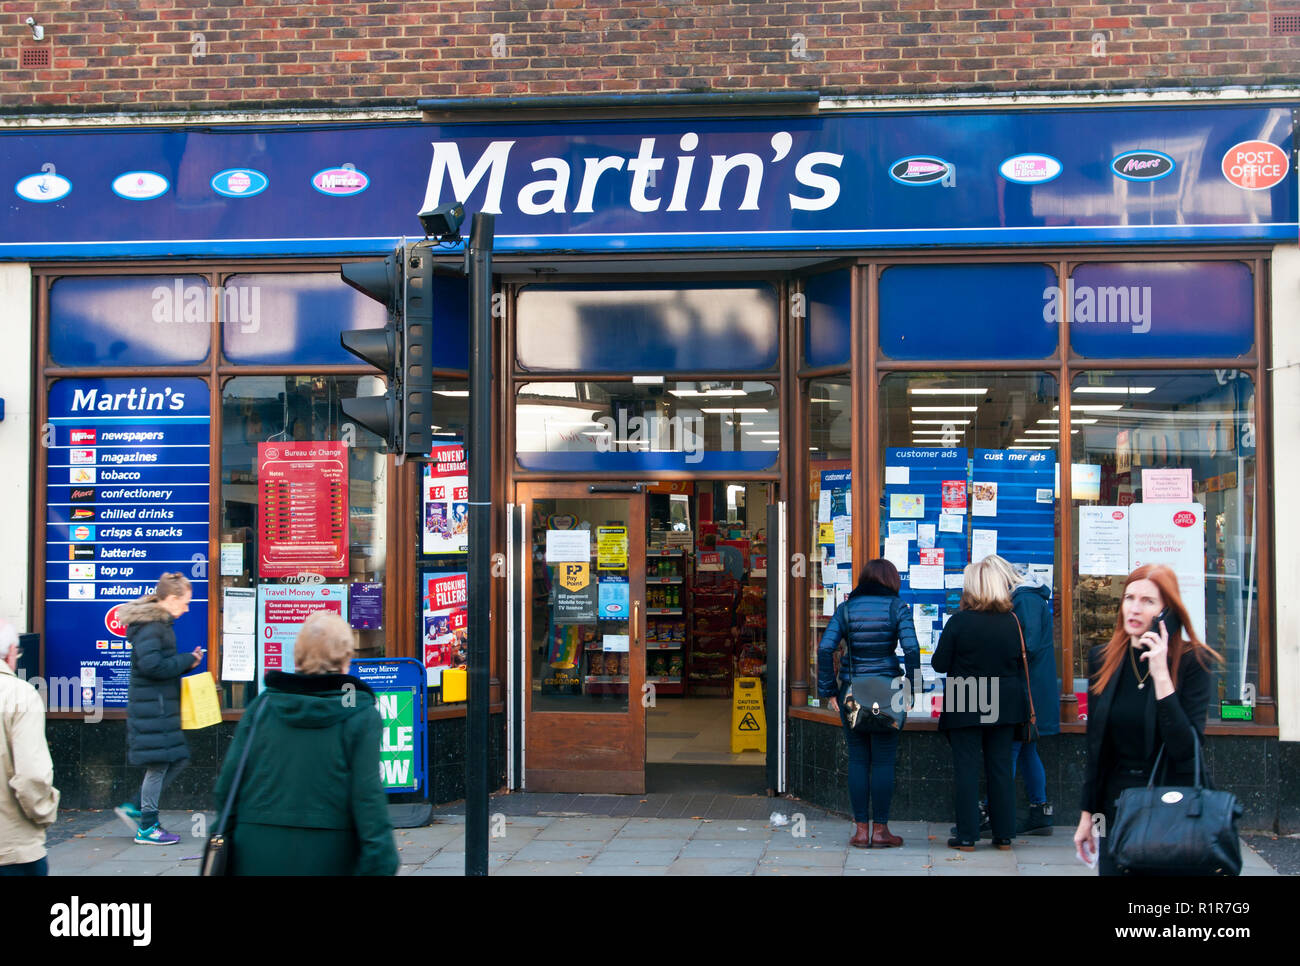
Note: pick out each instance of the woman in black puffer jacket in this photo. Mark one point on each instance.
(871, 624)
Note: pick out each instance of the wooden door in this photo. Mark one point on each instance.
(583, 638)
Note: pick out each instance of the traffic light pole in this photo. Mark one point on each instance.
(477, 721)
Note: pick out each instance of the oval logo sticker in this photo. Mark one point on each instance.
(340, 182)
(1030, 168)
(1117, 515)
(115, 627)
(239, 182)
(45, 186)
(140, 185)
(1185, 518)
(1143, 165)
(1171, 798)
(919, 170)
(1255, 165)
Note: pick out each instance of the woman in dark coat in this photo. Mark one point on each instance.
(310, 801)
(871, 624)
(1151, 688)
(984, 699)
(153, 711)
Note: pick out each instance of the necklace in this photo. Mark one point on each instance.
(1141, 679)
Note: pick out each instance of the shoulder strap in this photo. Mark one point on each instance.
(1024, 660)
(239, 770)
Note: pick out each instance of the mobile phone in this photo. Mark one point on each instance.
(1173, 626)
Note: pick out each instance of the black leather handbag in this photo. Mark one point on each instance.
(1164, 830)
(872, 703)
(216, 852)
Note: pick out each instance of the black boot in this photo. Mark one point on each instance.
(986, 827)
(1039, 821)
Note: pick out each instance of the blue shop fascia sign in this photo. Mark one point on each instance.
(832, 182)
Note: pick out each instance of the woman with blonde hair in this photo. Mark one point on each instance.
(1151, 690)
(984, 699)
(310, 801)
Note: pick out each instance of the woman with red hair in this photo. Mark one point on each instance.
(1151, 688)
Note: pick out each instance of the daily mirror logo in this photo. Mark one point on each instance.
(341, 182)
(679, 174)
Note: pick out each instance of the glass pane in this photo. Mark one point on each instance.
(829, 316)
(293, 319)
(121, 320)
(1149, 310)
(829, 499)
(969, 460)
(579, 615)
(966, 312)
(661, 327)
(279, 551)
(1173, 454)
(637, 427)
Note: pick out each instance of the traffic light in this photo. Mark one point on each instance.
(402, 350)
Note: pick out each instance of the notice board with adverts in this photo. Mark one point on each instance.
(400, 696)
(126, 500)
(302, 509)
(446, 501)
(446, 622)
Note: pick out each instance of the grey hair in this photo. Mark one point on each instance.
(8, 639)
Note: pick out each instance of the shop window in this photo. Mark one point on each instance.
(829, 413)
(1149, 310)
(636, 427)
(966, 311)
(303, 520)
(648, 327)
(829, 314)
(969, 462)
(1164, 472)
(130, 320)
(292, 319)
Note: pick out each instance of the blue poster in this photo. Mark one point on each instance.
(1023, 523)
(127, 499)
(614, 599)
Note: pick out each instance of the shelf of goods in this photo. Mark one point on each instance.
(710, 656)
(666, 606)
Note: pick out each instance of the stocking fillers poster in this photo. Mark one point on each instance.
(446, 623)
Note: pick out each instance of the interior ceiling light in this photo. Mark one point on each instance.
(728, 412)
(940, 422)
(1049, 432)
(823, 400)
(762, 432)
(452, 392)
(1112, 390)
(945, 409)
(681, 393)
(1073, 422)
(1028, 447)
(937, 432)
(1093, 408)
(928, 391)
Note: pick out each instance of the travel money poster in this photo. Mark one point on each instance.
(127, 495)
(446, 501)
(281, 611)
(302, 509)
(446, 622)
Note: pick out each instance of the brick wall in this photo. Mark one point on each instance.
(141, 54)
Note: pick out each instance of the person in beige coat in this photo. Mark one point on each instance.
(29, 802)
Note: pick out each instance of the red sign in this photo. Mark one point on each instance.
(954, 495)
(1255, 165)
(1117, 515)
(302, 510)
(1185, 518)
(115, 626)
(82, 436)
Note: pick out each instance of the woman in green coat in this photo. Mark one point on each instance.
(311, 801)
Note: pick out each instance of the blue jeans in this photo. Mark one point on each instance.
(39, 867)
(1025, 756)
(871, 770)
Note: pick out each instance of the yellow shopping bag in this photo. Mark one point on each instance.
(199, 705)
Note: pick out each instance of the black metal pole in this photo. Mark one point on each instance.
(480, 544)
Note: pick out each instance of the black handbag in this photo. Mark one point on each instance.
(872, 703)
(216, 852)
(1027, 731)
(1164, 830)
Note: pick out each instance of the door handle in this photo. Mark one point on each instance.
(636, 622)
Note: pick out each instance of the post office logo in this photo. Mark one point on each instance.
(1143, 165)
(140, 185)
(919, 170)
(1030, 168)
(115, 626)
(239, 182)
(1185, 518)
(1255, 165)
(340, 182)
(43, 187)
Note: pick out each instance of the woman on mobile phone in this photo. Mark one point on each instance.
(1151, 687)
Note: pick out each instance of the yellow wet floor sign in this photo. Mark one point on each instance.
(748, 722)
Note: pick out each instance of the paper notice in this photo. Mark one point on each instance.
(931, 557)
(1167, 486)
(615, 642)
(902, 528)
(843, 540)
(984, 543)
(239, 612)
(232, 559)
(953, 493)
(953, 582)
(907, 505)
(828, 571)
(566, 546)
(925, 534)
(952, 522)
(924, 612)
(984, 499)
(1043, 572)
(896, 552)
(1103, 540)
(825, 534)
(824, 507)
(828, 602)
(898, 475)
(238, 657)
(926, 578)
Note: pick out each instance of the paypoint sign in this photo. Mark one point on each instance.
(403, 741)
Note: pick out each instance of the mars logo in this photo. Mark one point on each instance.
(115, 626)
(1255, 165)
(82, 496)
(1143, 165)
(341, 182)
(1185, 518)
